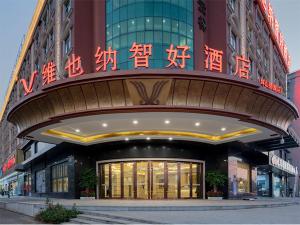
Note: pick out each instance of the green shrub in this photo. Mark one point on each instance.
(57, 214)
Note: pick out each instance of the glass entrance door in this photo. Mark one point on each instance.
(142, 180)
(158, 180)
(155, 179)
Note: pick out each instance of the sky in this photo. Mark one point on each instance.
(15, 17)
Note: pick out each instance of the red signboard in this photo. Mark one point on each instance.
(272, 22)
(176, 55)
(9, 164)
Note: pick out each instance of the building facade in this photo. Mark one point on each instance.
(293, 95)
(151, 96)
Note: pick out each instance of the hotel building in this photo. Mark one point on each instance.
(151, 95)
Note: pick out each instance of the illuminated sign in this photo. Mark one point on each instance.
(9, 164)
(283, 165)
(266, 8)
(140, 54)
(267, 84)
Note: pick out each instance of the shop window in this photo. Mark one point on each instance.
(243, 177)
(59, 177)
(40, 181)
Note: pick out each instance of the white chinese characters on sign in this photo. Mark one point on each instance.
(283, 165)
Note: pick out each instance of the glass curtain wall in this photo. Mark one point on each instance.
(156, 22)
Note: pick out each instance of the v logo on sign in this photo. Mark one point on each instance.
(28, 88)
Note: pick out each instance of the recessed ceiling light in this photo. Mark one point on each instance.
(104, 124)
(223, 129)
(135, 122)
(170, 138)
(77, 130)
(197, 124)
(167, 121)
(127, 139)
(148, 138)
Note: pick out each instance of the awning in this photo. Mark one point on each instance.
(289, 141)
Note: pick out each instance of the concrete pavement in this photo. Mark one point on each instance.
(276, 215)
(8, 217)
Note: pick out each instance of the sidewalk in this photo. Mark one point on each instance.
(31, 205)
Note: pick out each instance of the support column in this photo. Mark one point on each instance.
(271, 75)
(243, 27)
(57, 37)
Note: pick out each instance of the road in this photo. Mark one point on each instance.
(277, 215)
(8, 217)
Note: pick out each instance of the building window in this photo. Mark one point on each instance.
(37, 66)
(51, 38)
(27, 153)
(232, 4)
(233, 40)
(251, 68)
(59, 177)
(67, 44)
(259, 52)
(67, 7)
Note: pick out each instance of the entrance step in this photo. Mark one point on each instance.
(100, 217)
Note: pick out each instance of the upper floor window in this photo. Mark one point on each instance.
(232, 4)
(67, 7)
(51, 38)
(67, 44)
(233, 41)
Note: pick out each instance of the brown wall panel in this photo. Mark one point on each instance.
(90, 96)
(67, 99)
(256, 108)
(171, 94)
(271, 112)
(56, 103)
(265, 109)
(220, 96)
(208, 93)
(117, 93)
(243, 101)
(194, 93)
(232, 98)
(128, 100)
(78, 97)
(180, 92)
(103, 93)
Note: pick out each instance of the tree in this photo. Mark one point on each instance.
(88, 180)
(215, 179)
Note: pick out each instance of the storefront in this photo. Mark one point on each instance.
(272, 179)
(14, 183)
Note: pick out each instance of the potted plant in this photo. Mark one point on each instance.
(87, 183)
(215, 179)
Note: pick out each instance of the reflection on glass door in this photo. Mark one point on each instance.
(158, 180)
(196, 181)
(116, 180)
(128, 180)
(185, 183)
(142, 180)
(104, 175)
(172, 180)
